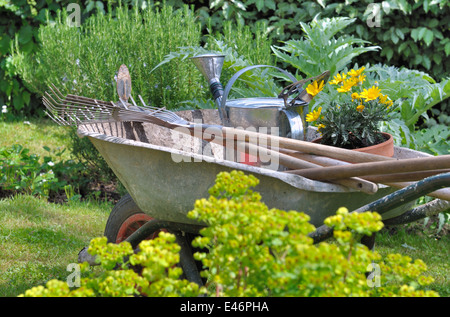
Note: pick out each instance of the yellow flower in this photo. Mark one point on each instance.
(338, 79)
(371, 93)
(347, 86)
(314, 88)
(389, 103)
(355, 96)
(360, 108)
(382, 98)
(361, 78)
(313, 115)
(320, 126)
(356, 73)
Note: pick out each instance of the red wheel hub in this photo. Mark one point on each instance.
(131, 224)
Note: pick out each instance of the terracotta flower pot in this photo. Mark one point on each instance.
(385, 148)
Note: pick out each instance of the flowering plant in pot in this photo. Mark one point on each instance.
(351, 120)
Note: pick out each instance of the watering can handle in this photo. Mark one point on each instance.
(239, 73)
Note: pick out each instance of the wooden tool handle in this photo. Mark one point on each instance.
(374, 168)
(292, 162)
(303, 146)
(380, 179)
(403, 177)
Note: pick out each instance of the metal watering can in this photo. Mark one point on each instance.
(287, 114)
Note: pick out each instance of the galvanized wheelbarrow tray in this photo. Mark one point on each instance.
(165, 172)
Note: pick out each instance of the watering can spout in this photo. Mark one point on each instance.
(210, 65)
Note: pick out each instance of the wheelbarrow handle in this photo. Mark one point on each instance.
(392, 201)
(429, 209)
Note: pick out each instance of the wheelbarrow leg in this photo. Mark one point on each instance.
(187, 260)
(369, 241)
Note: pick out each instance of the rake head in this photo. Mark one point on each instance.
(76, 110)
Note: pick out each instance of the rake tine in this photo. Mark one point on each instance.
(74, 98)
(78, 106)
(142, 101)
(57, 120)
(72, 115)
(79, 109)
(86, 99)
(51, 106)
(132, 100)
(60, 94)
(123, 103)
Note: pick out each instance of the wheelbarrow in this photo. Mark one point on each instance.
(165, 172)
(166, 167)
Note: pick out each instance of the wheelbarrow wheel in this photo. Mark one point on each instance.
(125, 218)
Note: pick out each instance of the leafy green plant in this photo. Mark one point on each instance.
(257, 251)
(159, 277)
(417, 90)
(320, 50)
(412, 34)
(252, 251)
(434, 140)
(21, 171)
(84, 60)
(414, 93)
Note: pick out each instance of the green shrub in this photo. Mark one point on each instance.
(411, 33)
(83, 60)
(19, 23)
(253, 251)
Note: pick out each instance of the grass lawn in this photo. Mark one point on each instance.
(420, 245)
(38, 239)
(34, 135)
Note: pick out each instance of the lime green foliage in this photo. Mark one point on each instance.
(253, 251)
(256, 251)
(160, 276)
